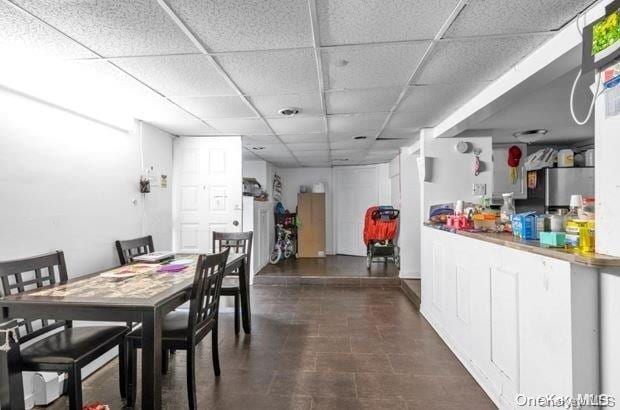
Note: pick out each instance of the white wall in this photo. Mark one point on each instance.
(68, 183)
(409, 237)
(157, 161)
(394, 176)
(452, 173)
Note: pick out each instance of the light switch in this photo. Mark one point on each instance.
(479, 189)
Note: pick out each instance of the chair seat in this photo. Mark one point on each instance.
(230, 284)
(70, 345)
(174, 327)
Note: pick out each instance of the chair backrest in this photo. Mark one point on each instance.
(205, 296)
(21, 275)
(129, 249)
(237, 242)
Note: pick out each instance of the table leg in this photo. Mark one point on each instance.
(11, 387)
(151, 360)
(244, 288)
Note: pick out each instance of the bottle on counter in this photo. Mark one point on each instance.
(575, 209)
(507, 211)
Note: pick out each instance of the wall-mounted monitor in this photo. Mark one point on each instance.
(601, 40)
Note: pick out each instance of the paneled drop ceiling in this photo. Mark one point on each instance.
(378, 69)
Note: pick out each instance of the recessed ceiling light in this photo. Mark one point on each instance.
(360, 137)
(340, 159)
(530, 136)
(289, 111)
(258, 148)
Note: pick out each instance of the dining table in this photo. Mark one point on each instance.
(140, 292)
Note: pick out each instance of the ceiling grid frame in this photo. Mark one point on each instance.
(100, 57)
(201, 47)
(429, 51)
(314, 24)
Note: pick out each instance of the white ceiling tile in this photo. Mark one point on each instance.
(297, 125)
(348, 136)
(399, 133)
(363, 123)
(233, 25)
(412, 120)
(483, 17)
(260, 140)
(361, 101)
(188, 128)
(476, 60)
(439, 98)
(315, 154)
(352, 22)
(350, 144)
(377, 65)
(114, 28)
(315, 163)
(269, 105)
(271, 150)
(24, 36)
(381, 145)
(240, 125)
(299, 138)
(247, 154)
(308, 146)
(216, 107)
(186, 75)
(272, 72)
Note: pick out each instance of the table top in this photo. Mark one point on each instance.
(146, 289)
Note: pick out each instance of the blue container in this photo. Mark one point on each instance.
(524, 225)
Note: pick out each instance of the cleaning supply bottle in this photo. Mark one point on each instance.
(575, 208)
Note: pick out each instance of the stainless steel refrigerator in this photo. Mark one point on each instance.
(554, 186)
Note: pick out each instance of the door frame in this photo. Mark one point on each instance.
(337, 195)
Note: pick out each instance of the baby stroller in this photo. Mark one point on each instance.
(380, 227)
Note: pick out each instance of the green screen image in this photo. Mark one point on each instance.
(606, 33)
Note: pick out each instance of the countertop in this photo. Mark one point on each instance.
(594, 260)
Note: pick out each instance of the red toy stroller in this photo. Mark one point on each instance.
(380, 227)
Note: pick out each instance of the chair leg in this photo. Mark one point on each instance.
(132, 374)
(75, 388)
(237, 313)
(215, 350)
(191, 377)
(165, 358)
(122, 369)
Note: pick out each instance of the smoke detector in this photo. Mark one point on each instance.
(289, 111)
(530, 136)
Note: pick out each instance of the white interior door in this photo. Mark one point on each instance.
(207, 190)
(357, 189)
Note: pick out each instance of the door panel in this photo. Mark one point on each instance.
(207, 190)
(357, 189)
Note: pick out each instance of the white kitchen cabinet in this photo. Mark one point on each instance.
(501, 172)
(521, 323)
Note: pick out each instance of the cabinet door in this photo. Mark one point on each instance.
(501, 172)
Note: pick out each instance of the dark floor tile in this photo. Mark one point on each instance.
(390, 386)
(353, 362)
(317, 344)
(320, 384)
(422, 364)
(324, 403)
(256, 402)
(356, 331)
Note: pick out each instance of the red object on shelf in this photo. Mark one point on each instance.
(378, 229)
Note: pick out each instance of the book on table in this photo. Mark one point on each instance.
(154, 257)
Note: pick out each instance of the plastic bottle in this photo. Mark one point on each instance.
(507, 211)
(575, 209)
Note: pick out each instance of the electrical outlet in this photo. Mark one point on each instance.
(479, 189)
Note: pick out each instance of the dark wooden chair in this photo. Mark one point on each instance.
(69, 350)
(237, 242)
(184, 330)
(129, 249)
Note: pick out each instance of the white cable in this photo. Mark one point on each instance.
(572, 99)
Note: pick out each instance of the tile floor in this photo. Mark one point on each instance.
(333, 265)
(319, 347)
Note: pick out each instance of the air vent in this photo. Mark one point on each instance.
(289, 111)
(390, 139)
(360, 137)
(258, 148)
